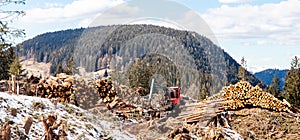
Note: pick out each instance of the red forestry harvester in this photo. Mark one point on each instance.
(172, 95)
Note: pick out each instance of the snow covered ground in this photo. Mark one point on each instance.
(80, 123)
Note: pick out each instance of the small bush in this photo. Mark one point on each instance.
(38, 105)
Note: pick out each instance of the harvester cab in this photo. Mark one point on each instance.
(173, 95)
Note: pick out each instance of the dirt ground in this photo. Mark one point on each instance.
(251, 124)
(258, 123)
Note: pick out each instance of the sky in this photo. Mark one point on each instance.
(265, 32)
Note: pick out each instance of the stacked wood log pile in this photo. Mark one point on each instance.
(86, 93)
(106, 90)
(108, 94)
(60, 87)
(244, 95)
(233, 97)
(4, 85)
(28, 86)
(129, 95)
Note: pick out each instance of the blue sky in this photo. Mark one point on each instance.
(265, 32)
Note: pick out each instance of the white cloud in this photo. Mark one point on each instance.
(234, 1)
(254, 69)
(273, 23)
(51, 5)
(121, 14)
(85, 22)
(75, 10)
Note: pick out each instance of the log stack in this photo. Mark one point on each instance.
(86, 93)
(55, 87)
(130, 96)
(233, 97)
(108, 94)
(243, 95)
(106, 90)
(4, 85)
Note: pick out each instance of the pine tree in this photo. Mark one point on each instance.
(274, 88)
(241, 72)
(71, 67)
(59, 69)
(105, 73)
(295, 64)
(6, 58)
(139, 75)
(16, 68)
(292, 83)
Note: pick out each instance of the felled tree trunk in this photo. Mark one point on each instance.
(27, 124)
(50, 125)
(6, 132)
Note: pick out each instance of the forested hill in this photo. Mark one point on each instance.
(42, 47)
(266, 76)
(96, 47)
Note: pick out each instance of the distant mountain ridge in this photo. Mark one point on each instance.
(98, 46)
(267, 75)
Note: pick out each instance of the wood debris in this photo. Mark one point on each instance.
(5, 131)
(50, 125)
(27, 124)
(202, 111)
(124, 109)
(216, 128)
(13, 111)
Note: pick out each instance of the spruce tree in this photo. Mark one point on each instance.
(139, 75)
(71, 67)
(274, 88)
(242, 71)
(16, 68)
(59, 69)
(292, 83)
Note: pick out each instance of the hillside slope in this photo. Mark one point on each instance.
(79, 123)
(266, 76)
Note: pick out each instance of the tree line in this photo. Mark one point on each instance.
(291, 88)
(9, 60)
